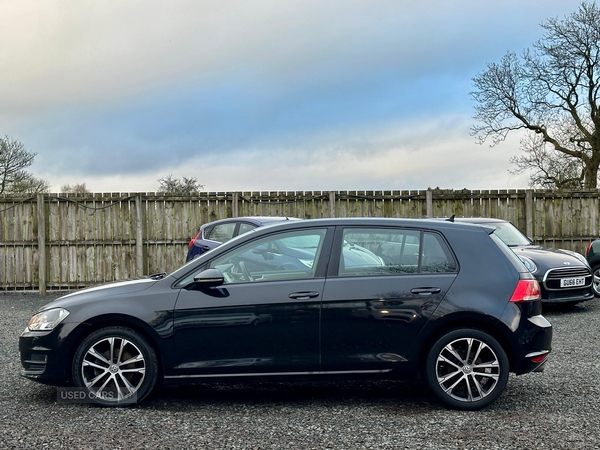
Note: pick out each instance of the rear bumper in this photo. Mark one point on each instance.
(534, 345)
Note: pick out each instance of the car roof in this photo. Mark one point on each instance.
(376, 221)
(478, 219)
(257, 220)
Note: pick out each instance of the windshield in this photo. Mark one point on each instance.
(510, 234)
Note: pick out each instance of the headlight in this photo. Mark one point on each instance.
(47, 320)
(528, 262)
(579, 256)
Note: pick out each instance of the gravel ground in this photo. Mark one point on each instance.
(559, 408)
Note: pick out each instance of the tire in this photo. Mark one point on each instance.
(596, 280)
(99, 371)
(461, 382)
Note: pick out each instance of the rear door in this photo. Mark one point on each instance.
(383, 284)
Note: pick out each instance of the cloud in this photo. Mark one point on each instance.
(69, 52)
(393, 156)
(126, 92)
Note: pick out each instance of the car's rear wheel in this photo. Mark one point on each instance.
(115, 366)
(467, 369)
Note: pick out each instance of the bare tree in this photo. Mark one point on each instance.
(184, 186)
(28, 184)
(75, 189)
(14, 179)
(552, 92)
(549, 168)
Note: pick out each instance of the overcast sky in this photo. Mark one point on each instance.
(261, 94)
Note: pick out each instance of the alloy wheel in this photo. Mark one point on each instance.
(113, 369)
(467, 370)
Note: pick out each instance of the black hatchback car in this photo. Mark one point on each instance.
(444, 300)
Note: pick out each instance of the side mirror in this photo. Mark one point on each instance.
(209, 278)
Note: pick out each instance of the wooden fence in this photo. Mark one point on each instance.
(86, 239)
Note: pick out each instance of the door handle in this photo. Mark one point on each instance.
(303, 295)
(426, 290)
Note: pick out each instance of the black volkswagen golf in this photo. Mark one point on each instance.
(326, 299)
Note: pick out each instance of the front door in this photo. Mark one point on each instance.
(263, 319)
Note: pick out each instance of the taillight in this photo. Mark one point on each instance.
(587, 250)
(539, 358)
(194, 240)
(526, 291)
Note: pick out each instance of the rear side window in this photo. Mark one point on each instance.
(385, 251)
(221, 233)
(245, 227)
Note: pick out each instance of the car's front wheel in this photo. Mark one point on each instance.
(115, 366)
(467, 369)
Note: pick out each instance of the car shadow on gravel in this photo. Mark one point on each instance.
(407, 395)
(262, 394)
(411, 397)
(38, 394)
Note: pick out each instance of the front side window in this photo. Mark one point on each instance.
(281, 256)
(389, 251)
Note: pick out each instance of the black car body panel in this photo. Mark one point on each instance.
(331, 318)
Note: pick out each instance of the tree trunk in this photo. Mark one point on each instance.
(591, 174)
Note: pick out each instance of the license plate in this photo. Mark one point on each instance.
(572, 282)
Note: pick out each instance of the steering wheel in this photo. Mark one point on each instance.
(245, 271)
(241, 269)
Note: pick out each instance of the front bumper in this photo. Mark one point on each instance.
(46, 356)
(567, 295)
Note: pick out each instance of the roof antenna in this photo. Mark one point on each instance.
(451, 218)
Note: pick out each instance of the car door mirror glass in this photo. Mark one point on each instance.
(209, 278)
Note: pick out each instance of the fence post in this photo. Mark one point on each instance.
(41, 217)
(139, 236)
(234, 205)
(529, 213)
(429, 202)
(332, 204)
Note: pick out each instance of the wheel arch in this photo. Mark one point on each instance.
(88, 327)
(493, 327)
